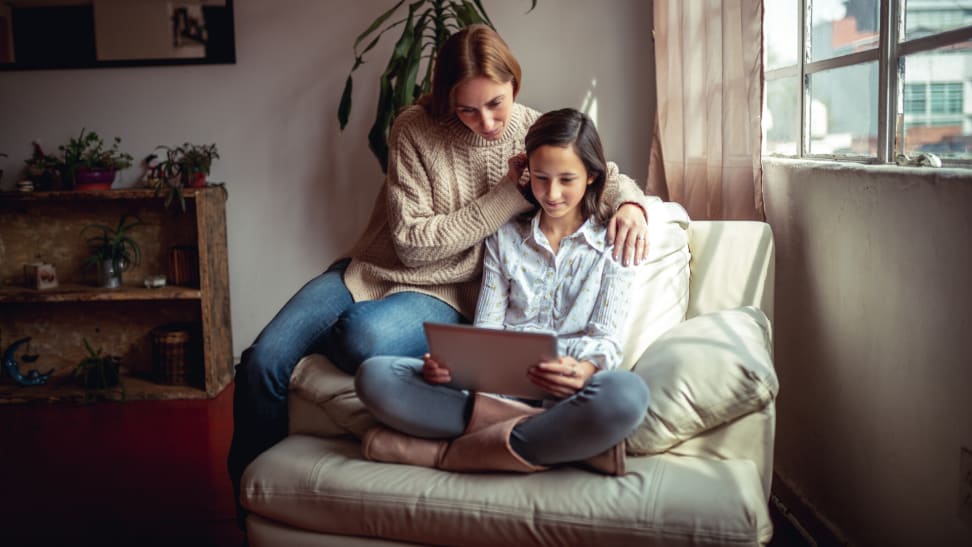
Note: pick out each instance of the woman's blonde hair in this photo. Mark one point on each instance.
(473, 51)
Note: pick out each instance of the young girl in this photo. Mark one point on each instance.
(547, 271)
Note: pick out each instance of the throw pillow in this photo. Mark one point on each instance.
(661, 285)
(703, 373)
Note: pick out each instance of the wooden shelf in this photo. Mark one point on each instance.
(72, 292)
(48, 226)
(71, 195)
(61, 389)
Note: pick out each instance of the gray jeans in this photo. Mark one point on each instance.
(585, 424)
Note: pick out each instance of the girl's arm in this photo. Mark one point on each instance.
(494, 296)
(422, 236)
(600, 343)
(599, 346)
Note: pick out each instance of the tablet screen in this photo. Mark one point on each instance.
(490, 360)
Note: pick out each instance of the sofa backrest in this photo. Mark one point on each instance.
(732, 265)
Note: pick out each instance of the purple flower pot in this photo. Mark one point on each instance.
(94, 179)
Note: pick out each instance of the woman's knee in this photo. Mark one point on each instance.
(263, 372)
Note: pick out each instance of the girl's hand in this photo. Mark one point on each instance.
(628, 230)
(518, 165)
(433, 372)
(563, 377)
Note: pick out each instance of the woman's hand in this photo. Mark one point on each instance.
(433, 372)
(628, 230)
(518, 165)
(563, 377)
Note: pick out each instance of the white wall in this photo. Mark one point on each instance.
(873, 322)
(299, 189)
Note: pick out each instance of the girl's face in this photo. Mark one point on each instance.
(559, 180)
(484, 106)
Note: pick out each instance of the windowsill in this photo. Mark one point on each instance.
(942, 174)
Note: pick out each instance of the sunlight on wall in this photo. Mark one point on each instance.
(589, 104)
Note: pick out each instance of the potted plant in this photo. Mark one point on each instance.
(98, 370)
(184, 166)
(113, 250)
(44, 170)
(427, 26)
(89, 165)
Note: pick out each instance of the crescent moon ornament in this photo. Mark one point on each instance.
(33, 378)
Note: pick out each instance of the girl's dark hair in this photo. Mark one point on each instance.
(569, 127)
(473, 51)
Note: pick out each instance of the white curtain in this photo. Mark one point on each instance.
(706, 148)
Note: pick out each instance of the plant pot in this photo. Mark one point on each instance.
(94, 179)
(197, 180)
(109, 277)
(100, 376)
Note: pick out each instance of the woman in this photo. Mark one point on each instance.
(420, 257)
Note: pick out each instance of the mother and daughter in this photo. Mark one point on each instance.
(454, 179)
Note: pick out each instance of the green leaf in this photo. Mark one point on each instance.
(344, 109)
(377, 23)
(482, 11)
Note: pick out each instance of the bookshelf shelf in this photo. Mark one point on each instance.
(46, 226)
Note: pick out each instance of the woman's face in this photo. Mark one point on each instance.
(484, 106)
(558, 179)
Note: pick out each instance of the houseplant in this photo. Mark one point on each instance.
(113, 250)
(426, 27)
(88, 164)
(98, 370)
(44, 170)
(184, 166)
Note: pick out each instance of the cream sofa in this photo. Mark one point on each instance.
(699, 467)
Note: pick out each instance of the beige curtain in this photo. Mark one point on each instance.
(706, 148)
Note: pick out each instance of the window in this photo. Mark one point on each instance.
(867, 80)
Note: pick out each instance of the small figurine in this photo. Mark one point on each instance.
(33, 378)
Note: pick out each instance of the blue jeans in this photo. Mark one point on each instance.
(608, 409)
(321, 318)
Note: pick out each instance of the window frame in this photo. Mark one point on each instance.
(890, 88)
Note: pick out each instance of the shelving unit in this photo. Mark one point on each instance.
(47, 226)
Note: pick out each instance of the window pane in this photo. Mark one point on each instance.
(780, 26)
(843, 111)
(843, 26)
(944, 125)
(781, 117)
(924, 17)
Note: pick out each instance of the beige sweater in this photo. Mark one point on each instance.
(445, 192)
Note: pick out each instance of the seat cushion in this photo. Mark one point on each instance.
(703, 373)
(324, 485)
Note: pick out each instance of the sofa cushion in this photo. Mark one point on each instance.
(324, 485)
(323, 401)
(707, 371)
(661, 283)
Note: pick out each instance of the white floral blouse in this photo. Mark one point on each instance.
(577, 294)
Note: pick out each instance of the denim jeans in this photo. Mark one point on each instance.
(608, 409)
(321, 318)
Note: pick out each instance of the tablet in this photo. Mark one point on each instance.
(490, 360)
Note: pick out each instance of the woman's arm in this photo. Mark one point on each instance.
(628, 210)
(421, 235)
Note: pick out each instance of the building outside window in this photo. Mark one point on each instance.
(877, 78)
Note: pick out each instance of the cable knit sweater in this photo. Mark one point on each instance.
(445, 192)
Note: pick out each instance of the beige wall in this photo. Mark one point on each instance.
(873, 324)
(300, 190)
